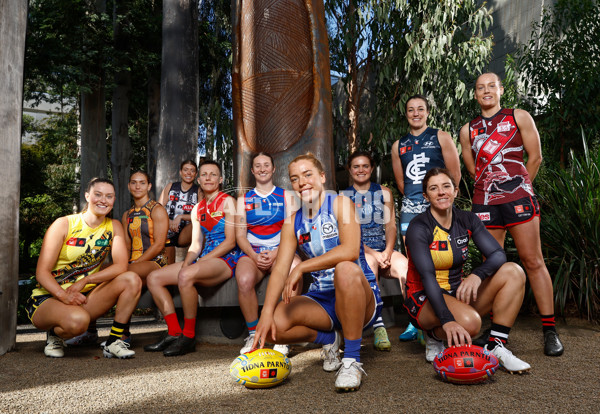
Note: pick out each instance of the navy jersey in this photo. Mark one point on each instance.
(436, 255)
(370, 206)
(319, 235)
(418, 155)
(264, 217)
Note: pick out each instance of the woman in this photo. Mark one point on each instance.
(261, 212)
(343, 295)
(493, 147)
(206, 264)
(441, 301)
(375, 206)
(416, 153)
(179, 198)
(72, 290)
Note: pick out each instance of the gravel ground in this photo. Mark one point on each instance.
(398, 381)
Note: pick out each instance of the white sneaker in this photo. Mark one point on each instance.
(55, 346)
(247, 344)
(349, 376)
(284, 349)
(510, 362)
(86, 338)
(432, 348)
(119, 349)
(331, 354)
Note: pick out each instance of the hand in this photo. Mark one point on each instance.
(468, 289)
(72, 294)
(456, 334)
(291, 284)
(174, 224)
(384, 259)
(265, 324)
(264, 260)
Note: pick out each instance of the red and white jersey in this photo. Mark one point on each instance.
(497, 146)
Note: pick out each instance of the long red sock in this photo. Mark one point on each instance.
(173, 324)
(189, 327)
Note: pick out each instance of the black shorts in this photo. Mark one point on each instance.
(415, 302)
(505, 215)
(34, 302)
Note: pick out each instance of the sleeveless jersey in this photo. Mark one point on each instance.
(319, 235)
(82, 253)
(140, 228)
(418, 155)
(181, 202)
(436, 255)
(370, 206)
(264, 217)
(497, 146)
(212, 221)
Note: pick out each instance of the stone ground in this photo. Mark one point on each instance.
(398, 381)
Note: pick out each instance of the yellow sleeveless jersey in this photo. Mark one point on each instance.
(82, 253)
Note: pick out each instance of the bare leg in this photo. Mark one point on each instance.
(247, 276)
(157, 282)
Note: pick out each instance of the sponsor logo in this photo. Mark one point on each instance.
(203, 217)
(462, 240)
(484, 216)
(76, 241)
(268, 373)
(428, 144)
(102, 242)
(439, 245)
(504, 127)
(404, 150)
(216, 214)
(328, 230)
(173, 198)
(304, 238)
(249, 206)
(519, 209)
(422, 298)
(187, 208)
(477, 131)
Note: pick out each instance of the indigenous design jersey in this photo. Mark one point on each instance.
(212, 220)
(418, 155)
(265, 216)
(436, 255)
(83, 251)
(370, 206)
(497, 146)
(140, 228)
(181, 202)
(319, 235)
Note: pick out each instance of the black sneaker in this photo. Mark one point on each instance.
(483, 338)
(161, 345)
(552, 344)
(181, 346)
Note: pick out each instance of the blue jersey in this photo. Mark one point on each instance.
(418, 155)
(212, 221)
(370, 206)
(319, 235)
(264, 217)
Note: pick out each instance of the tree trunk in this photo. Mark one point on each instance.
(13, 22)
(178, 131)
(353, 104)
(153, 126)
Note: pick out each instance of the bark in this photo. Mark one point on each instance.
(153, 126)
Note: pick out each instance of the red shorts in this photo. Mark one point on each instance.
(510, 214)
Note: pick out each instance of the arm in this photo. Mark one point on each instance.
(229, 243)
(467, 153)
(124, 220)
(450, 154)
(241, 230)
(389, 215)
(397, 167)
(164, 196)
(196, 246)
(531, 142)
(160, 221)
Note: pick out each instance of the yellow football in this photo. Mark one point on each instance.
(261, 368)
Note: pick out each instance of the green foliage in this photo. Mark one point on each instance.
(560, 67)
(571, 232)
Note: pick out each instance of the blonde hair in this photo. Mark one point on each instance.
(309, 156)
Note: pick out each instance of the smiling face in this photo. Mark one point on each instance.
(188, 173)
(210, 178)
(361, 170)
(139, 185)
(417, 113)
(262, 169)
(306, 180)
(488, 90)
(100, 198)
(440, 192)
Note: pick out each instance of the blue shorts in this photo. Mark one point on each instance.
(326, 299)
(230, 258)
(258, 249)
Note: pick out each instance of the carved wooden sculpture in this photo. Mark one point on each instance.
(281, 84)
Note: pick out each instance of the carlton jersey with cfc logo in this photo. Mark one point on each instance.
(140, 229)
(181, 202)
(264, 217)
(370, 206)
(436, 256)
(497, 146)
(418, 155)
(83, 251)
(319, 235)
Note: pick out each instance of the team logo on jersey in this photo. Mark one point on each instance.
(216, 214)
(404, 150)
(76, 241)
(484, 216)
(304, 238)
(173, 197)
(504, 127)
(416, 169)
(249, 206)
(491, 146)
(328, 230)
(439, 246)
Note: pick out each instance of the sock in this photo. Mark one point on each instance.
(126, 332)
(352, 348)
(378, 323)
(548, 323)
(499, 332)
(189, 327)
(173, 324)
(115, 332)
(252, 326)
(92, 327)
(325, 338)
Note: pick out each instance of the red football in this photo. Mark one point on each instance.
(465, 364)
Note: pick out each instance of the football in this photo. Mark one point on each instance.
(261, 368)
(465, 364)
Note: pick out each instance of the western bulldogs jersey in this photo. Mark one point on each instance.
(319, 235)
(497, 147)
(370, 207)
(181, 202)
(264, 217)
(418, 155)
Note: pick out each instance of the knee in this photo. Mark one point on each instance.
(533, 262)
(185, 278)
(471, 321)
(514, 275)
(132, 282)
(76, 323)
(245, 282)
(347, 275)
